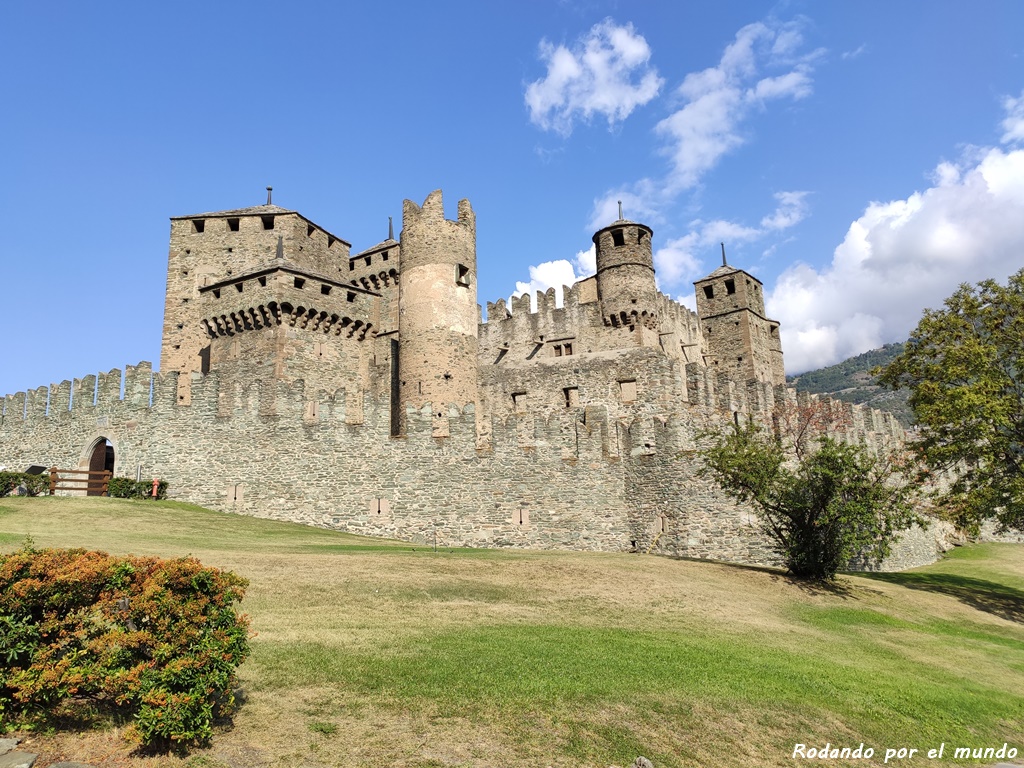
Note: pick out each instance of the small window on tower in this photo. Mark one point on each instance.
(641, 234)
(325, 290)
(572, 396)
(618, 238)
(519, 402)
(462, 275)
(709, 291)
(730, 287)
(198, 225)
(299, 282)
(567, 348)
(233, 225)
(310, 229)
(268, 222)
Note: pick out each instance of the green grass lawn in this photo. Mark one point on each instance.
(379, 652)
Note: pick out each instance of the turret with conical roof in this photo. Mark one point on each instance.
(625, 274)
(738, 338)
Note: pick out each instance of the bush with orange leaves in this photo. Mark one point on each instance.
(84, 634)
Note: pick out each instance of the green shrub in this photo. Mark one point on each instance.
(126, 488)
(34, 484)
(83, 633)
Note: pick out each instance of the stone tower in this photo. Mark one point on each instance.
(207, 248)
(438, 313)
(738, 338)
(625, 275)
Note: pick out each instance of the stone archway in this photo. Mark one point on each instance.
(101, 457)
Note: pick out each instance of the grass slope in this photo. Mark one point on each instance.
(377, 652)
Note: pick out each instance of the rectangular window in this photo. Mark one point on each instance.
(519, 402)
(556, 349)
(310, 229)
(709, 291)
(462, 275)
(730, 287)
(617, 237)
(567, 348)
(299, 282)
(198, 225)
(268, 222)
(572, 396)
(233, 225)
(325, 289)
(627, 389)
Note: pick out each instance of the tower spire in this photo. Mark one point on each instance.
(723, 256)
(269, 192)
(391, 229)
(620, 210)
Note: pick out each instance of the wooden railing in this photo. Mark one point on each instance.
(95, 482)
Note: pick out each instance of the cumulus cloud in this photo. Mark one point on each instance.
(719, 99)
(1013, 124)
(762, 65)
(903, 256)
(558, 274)
(607, 73)
(680, 261)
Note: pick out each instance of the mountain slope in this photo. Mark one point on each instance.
(852, 382)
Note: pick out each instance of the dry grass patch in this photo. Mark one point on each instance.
(381, 652)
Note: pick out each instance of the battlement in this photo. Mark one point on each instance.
(368, 394)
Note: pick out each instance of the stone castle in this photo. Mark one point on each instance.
(365, 392)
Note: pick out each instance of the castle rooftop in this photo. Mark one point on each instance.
(253, 210)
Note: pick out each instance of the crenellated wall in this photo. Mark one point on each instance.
(365, 394)
(580, 475)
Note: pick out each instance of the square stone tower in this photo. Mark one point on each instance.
(739, 339)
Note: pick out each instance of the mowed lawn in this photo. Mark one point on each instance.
(373, 652)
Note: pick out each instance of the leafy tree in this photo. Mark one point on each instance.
(964, 366)
(821, 502)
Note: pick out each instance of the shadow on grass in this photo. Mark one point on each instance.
(989, 596)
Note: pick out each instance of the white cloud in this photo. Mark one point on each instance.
(791, 211)
(607, 73)
(902, 256)
(1013, 125)
(847, 55)
(721, 98)
(762, 65)
(681, 260)
(558, 274)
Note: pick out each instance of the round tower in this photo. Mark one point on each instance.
(625, 274)
(437, 309)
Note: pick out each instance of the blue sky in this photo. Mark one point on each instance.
(862, 159)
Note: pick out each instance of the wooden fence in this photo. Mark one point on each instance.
(94, 482)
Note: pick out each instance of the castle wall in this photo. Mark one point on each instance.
(588, 476)
(365, 394)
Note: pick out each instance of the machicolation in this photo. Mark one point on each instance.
(365, 393)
